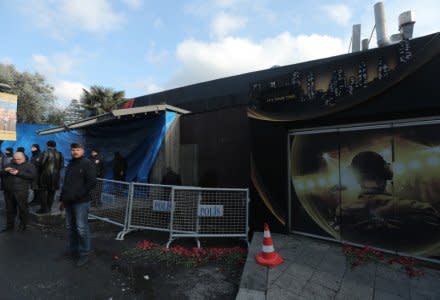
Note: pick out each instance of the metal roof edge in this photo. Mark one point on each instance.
(114, 114)
(148, 108)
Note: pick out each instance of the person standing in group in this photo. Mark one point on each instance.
(2, 158)
(17, 177)
(6, 159)
(21, 149)
(98, 161)
(36, 161)
(170, 177)
(52, 161)
(9, 152)
(119, 167)
(79, 181)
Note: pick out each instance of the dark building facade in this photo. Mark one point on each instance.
(344, 148)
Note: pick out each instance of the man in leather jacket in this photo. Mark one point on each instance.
(52, 161)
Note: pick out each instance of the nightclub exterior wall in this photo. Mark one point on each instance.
(240, 125)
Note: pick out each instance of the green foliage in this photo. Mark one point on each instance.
(100, 99)
(55, 116)
(35, 95)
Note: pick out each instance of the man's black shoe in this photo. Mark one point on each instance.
(6, 229)
(41, 211)
(82, 261)
(22, 227)
(68, 256)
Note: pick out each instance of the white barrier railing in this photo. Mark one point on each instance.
(182, 211)
(110, 202)
(209, 212)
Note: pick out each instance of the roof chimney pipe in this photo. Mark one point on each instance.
(365, 43)
(381, 30)
(356, 38)
(406, 24)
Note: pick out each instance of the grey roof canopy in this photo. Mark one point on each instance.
(113, 115)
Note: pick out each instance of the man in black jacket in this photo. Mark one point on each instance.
(36, 161)
(79, 181)
(98, 160)
(17, 178)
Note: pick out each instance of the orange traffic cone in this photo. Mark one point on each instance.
(268, 257)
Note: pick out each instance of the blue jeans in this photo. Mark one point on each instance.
(78, 231)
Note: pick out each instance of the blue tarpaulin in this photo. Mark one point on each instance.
(138, 139)
(26, 136)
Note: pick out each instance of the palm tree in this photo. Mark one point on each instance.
(100, 99)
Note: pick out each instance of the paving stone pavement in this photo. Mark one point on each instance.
(317, 269)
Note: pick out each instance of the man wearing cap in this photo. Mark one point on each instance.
(79, 181)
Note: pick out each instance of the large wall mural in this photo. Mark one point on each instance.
(379, 187)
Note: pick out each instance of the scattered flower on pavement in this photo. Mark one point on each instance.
(188, 257)
(357, 256)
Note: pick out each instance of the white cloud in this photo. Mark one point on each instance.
(60, 17)
(67, 90)
(203, 61)
(226, 3)
(155, 57)
(5, 60)
(93, 16)
(340, 13)
(147, 86)
(59, 64)
(133, 4)
(224, 24)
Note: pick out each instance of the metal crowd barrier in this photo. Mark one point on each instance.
(182, 211)
(110, 202)
(209, 212)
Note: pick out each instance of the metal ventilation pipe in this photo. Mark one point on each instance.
(381, 30)
(406, 24)
(356, 38)
(365, 43)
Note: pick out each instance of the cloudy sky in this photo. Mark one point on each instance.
(145, 46)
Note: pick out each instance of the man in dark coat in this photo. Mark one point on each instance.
(119, 167)
(79, 180)
(36, 161)
(171, 178)
(17, 176)
(6, 159)
(98, 161)
(52, 162)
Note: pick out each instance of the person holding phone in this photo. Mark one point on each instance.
(17, 178)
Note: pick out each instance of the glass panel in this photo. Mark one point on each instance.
(367, 205)
(417, 190)
(315, 178)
